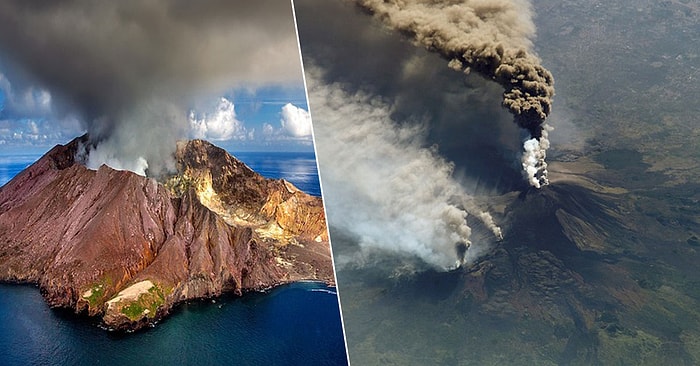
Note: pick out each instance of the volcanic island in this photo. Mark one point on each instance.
(126, 248)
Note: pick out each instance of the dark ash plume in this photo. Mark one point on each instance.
(130, 68)
(491, 38)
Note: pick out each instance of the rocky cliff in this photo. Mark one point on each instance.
(128, 248)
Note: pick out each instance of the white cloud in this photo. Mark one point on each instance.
(221, 124)
(38, 100)
(33, 128)
(40, 131)
(31, 101)
(270, 133)
(295, 127)
(296, 122)
(29, 116)
(268, 130)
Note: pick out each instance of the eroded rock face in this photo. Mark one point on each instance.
(127, 248)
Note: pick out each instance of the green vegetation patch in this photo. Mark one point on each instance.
(97, 293)
(691, 344)
(629, 348)
(146, 304)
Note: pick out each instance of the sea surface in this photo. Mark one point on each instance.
(10, 165)
(299, 168)
(296, 324)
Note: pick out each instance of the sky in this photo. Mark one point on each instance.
(250, 119)
(132, 74)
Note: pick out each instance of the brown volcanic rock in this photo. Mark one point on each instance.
(240, 190)
(128, 248)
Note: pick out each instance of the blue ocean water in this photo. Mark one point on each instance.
(296, 324)
(10, 165)
(296, 167)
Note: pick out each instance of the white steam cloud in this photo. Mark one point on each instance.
(107, 154)
(534, 159)
(382, 185)
(123, 150)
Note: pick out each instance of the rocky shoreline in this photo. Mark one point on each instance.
(127, 248)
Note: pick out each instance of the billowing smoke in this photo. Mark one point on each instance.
(132, 69)
(491, 38)
(381, 184)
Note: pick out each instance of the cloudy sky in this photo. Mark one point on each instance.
(268, 119)
(135, 74)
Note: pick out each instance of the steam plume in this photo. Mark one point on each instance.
(381, 185)
(132, 68)
(491, 38)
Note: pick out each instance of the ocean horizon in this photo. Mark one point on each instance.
(293, 324)
(299, 168)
